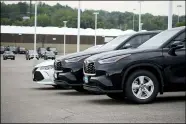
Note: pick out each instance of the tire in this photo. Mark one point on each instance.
(13, 59)
(116, 96)
(133, 96)
(4, 58)
(80, 89)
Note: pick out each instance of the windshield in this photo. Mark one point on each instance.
(50, 53)
(12, 48)
(158, 40)
(43, 49)
(93, 48)
(8, 52)
(115, 42)
(53, 49)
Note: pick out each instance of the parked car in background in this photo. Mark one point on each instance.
(8, 55)
(156, 66)
(2, 49)
(49, 55)
(30, 54)
(21, 50)
(69, 68)
(12, 48)
(52, 49)
(41, 51)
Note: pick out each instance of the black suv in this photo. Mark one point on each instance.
(156, 66)
(69, 68)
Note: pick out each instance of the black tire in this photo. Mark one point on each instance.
(13, 59)
(4, 58)
(28, 58)
(80, 89)
(116, 96)
(128, 87)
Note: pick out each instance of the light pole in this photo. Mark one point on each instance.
(35, 36)
(178, 6)
(133, 18)
(170, 15)
(141, 25)
(140, 16)
(78, 36)
(95, 13)
(64, 37)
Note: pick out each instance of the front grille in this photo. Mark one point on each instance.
(89, 68)
(57, 65)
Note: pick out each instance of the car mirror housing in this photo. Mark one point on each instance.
(173, 48)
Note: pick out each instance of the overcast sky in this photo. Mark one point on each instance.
(153, 7)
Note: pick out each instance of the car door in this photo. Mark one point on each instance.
(175, 66)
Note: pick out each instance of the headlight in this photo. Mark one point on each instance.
(46, 67)
(76, 59)
(112, 59)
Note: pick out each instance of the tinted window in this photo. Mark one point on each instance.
(180, 37)
(158, 40)
(53, 49)
(138, 40)
(111, 45)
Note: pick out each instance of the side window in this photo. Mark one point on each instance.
(179, 38)
(137, 40)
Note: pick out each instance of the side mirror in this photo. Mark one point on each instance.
(176, 45)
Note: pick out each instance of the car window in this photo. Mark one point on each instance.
(160, 39)
(138, 40)
(180, 37)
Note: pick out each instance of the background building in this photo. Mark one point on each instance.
(54, 37)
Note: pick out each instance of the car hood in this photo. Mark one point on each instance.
(78, 54)
(114, 53)
(45, 63)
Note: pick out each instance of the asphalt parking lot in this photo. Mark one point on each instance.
(23, 101)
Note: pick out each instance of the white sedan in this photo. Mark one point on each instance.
(43, 73)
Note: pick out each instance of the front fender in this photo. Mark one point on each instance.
(152, 65)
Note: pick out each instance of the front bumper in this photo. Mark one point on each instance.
(43, 76)
(66, 79)
(101, 84)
